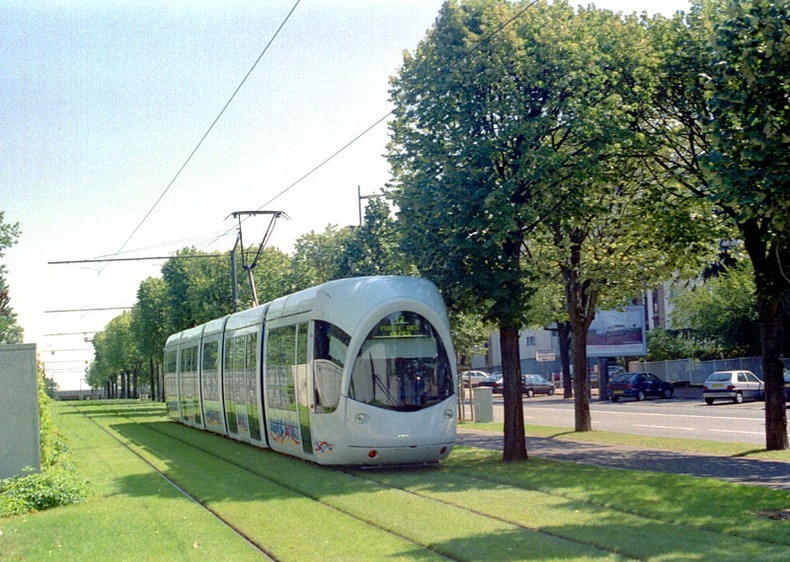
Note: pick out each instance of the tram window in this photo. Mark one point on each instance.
(280, 357)
(210, 353)
(251, 378)
(329, 349)
(171, 381)
(402, 365)
(210, 374)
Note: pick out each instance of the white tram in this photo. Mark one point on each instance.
(352, 372)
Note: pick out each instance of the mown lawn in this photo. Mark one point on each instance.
(472, 507)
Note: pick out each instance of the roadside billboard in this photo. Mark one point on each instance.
(617, 333)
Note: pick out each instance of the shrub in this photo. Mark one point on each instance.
(57, 484)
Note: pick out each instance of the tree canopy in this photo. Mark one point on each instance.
(10, 330)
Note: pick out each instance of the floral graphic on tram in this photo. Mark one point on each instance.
(324, 447)
(241, 420)
(213, 418)
(284, 433)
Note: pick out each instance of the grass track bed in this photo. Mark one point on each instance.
(472, 507)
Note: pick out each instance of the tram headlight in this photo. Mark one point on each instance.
(361, 418)
(448, 414)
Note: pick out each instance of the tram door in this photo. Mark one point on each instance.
(303, 384)
(287, 389)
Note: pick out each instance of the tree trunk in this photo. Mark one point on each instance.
(771, 333)
(581, 383)
(152, 379)
(581, 298)
(771, 288)
(603, 378)
(515, 448)
(564, 335)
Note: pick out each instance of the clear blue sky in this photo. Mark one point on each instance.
(102, 102)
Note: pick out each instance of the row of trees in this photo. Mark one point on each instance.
(548, 161)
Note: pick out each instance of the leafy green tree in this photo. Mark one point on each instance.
(724, 130)
(116, 355)
(10, 331)
(272, 275)
(749, 166)
(723, 311)
(465, 105)
(515, 130)
(150, 326)
(372, 248)
(315, 256)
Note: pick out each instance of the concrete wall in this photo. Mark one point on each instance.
(19, 429)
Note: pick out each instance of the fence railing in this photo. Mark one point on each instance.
(695, 372)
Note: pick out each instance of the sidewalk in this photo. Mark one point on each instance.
(773, 474)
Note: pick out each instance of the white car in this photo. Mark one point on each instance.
(733, 385)
(473, 378)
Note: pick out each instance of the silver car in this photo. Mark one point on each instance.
(733, 385)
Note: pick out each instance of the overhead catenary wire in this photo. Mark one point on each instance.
(375, 124)
(210, 128)
(329, 158)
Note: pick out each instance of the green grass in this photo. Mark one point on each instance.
(471, 507)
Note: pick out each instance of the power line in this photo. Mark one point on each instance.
(478, 43)
(211, 127)
(144, 258)
(88, 309)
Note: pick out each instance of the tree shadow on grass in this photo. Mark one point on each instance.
(219, 470)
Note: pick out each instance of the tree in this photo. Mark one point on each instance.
(116, 356)
(723, 134)
(372, 248)
(10, 331)
(722, 311)
(515, 135)
(749, 166)
(149, 325)
(315, 257)
(461, 102)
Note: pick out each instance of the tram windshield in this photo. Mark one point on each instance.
(402, 365)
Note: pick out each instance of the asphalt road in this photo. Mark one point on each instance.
(676, 417)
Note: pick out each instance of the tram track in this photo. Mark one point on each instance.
(183, 491)
(366, 477)
(409, 508)
(279, 482)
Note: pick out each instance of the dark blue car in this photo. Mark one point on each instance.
(787, 386)
(639, 386)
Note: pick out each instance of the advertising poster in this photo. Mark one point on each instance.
(617, 333)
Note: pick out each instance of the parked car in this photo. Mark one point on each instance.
(787, 386)
(639, 386)
(615, 330)
(536, 384)
(473, 378)
(494, 381)
(733, 385)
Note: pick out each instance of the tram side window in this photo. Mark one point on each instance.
(280, 365)
(230, 386)
(171, 382)
(402, 365)
(210, 373)
(330, 347)
(251, 380)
